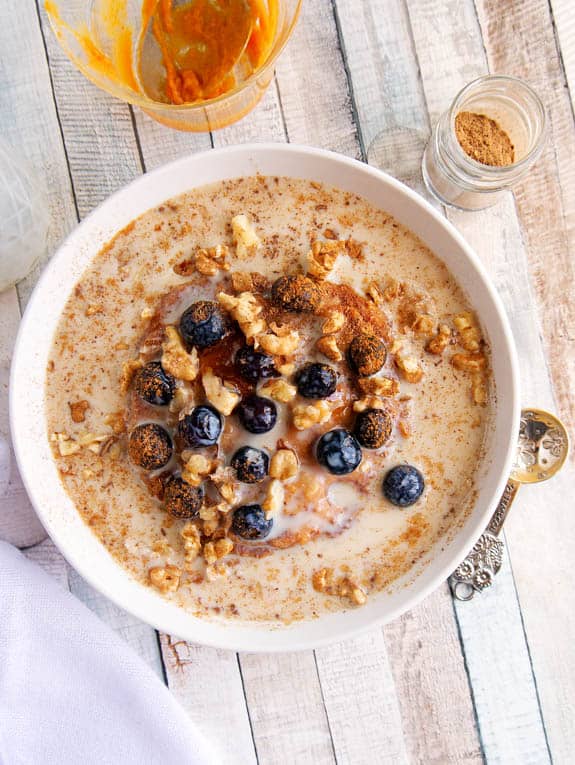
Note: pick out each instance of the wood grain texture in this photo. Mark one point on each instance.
(286, 709)
(208, 685)
(564, 22)
(523, 43)
(361, 703)
(428, 666)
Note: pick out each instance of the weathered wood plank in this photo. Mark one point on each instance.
(564, 21)
(286, 708)
(523, 43)
(358, 688)
(208, 685)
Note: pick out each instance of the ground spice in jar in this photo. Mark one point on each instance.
(482, 139)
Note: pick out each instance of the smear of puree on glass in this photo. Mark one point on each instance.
(206, 46)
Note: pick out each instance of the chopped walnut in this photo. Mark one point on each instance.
(147, 313)
(224, 480)
(440, 342)
(218, 394)
(478, 389)
(304, 416)
(286, 369)
(322, 257)
(348, 589)
(392, 290)
(66, 445)
(116, 421)
(176, 360)
(165, 578)
(209, 261)
(423, 325)
(213, 551)
(246, 310)
(409, 368)
(279, 389)
(274, 501)
(468, 362)
(183, 401)
(280, 346)
(196, 469)
(333, 322)
(78, 410)
(368, 402)
(129, 369)
(192, 542)
(404, 428)
(284, 464)
(323, 581)
(281, 330)
(242, 281)
(379, 386)
(328, 346)
(311, 487)
(245, 237)
(396, 346)
(469, 335)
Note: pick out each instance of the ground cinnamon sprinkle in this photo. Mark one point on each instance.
(483, 139)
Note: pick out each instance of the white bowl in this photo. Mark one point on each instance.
(57, 512)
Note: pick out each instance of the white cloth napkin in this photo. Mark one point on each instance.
(71, 693)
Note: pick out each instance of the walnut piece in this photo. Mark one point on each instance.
(129, 369)
(423, 325)
(368, 402)
(176, 360)
(440, 342)
(328, 346)
(322, 257)
(286, 369)
(196, 469)
(409, 368)
(333, 322)
(478, 389)
(218, 394)
(379, 386)
(209, 261)
(284, 464)
(213, 551)
(246, 310)
(280, 346)
(374, 292)
(66, 445)
(279, 390)
(469, 335)
(468, 362)
(78, 410)
(274, 501)
(304, 416)
(245, 237)
(165, 578)
(191, 536)
(116, 421)
(323, 581)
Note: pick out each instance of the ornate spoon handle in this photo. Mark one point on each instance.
(476, 572)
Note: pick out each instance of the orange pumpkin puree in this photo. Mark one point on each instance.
(203, 43)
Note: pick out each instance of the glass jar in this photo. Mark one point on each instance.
(456, 179)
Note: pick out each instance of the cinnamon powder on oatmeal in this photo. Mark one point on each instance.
(482, 139)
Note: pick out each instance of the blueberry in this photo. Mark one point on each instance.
(251, 465)
(373, 428)
(182, 500)
(316, 380)
(367, 354)
(338, 451)
(257, 414)
(296, 293)
(202, 427)
(403, 485)
(155, 385)
(203, 324)
(150, 446)
(250, 522)
(253, 365)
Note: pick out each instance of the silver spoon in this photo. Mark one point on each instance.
(542, 448)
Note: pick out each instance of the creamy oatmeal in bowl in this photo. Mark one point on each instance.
(270, 405)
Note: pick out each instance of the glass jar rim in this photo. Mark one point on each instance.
(497, 170)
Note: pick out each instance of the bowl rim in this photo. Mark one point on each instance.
(458, 547)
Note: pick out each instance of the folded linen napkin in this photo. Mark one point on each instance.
(71, 693)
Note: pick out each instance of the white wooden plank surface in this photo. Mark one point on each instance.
(564, 19)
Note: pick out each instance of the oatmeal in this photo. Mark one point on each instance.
(279, 405)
